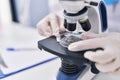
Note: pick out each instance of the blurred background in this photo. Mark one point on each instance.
(29, 12)
(25, 14)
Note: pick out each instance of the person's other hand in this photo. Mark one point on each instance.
(51, 25)
(107, 60)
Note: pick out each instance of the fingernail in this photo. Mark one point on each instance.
(72, 47)
(88, 55)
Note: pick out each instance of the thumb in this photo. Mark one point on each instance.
(55, 26)
(86, 44)
(89, 35)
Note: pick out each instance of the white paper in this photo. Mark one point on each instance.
(17, 60)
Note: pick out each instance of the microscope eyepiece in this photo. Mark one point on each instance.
(86, 26)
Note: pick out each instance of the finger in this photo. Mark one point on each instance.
(87, 44)
(101, 57)
(111, 67)
(44, 28)
(54, 22)
(116, 73)
(88, 35)
(61, 23)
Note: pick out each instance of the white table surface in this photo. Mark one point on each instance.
(19, 35)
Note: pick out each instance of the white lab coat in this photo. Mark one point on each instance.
(55, 7)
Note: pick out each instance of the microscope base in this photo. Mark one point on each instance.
(62, 76)
(83, 74)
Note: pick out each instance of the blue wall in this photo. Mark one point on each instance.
(109, 2)
(38, 9)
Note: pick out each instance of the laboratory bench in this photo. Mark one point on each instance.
(45, 68)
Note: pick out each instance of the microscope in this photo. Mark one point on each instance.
(79, 16)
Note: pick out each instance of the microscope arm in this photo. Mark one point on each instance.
(98, 19)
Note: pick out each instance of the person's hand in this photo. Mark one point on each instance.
(107, 60)
(51, 25)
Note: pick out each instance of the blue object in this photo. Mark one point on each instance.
(2, 75)
(103, 15)
(110, 2)
(14, 10)
(20, 49)
(10, 49)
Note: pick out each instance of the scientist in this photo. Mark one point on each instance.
(107, 60)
